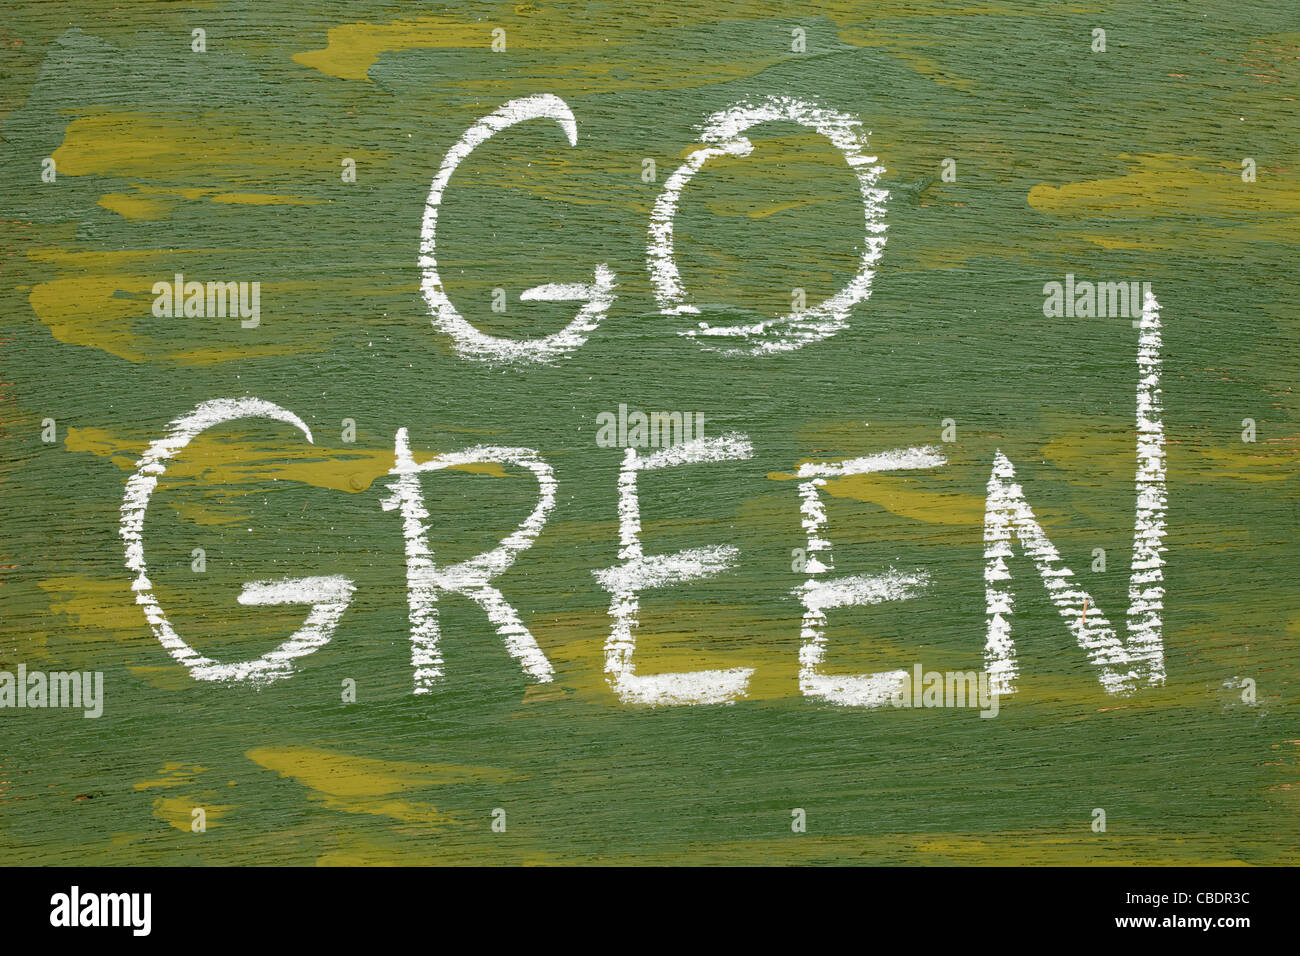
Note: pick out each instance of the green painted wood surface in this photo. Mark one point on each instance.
(225, 165)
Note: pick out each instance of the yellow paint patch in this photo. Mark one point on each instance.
(232, 462)
(98, 608)
(84, 310)
(152, 204)
(1243, 462)
(263, 199)
(109, 143)
(343, 775)
(221, 461)
(351, 49)
(1164, 185)
(178, 811)
(481, 468)
(219, 510)
(932, 507)
(102, 443)
(135, 206)
(97, 306)
(1084, 445)
(365, 785)
(173, 774)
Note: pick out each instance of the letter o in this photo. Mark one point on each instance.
(723, 134)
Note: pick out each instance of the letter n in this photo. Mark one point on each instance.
(1121, 664)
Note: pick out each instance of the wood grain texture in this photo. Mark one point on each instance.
(225, 165)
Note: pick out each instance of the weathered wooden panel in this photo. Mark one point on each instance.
(293, 145)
